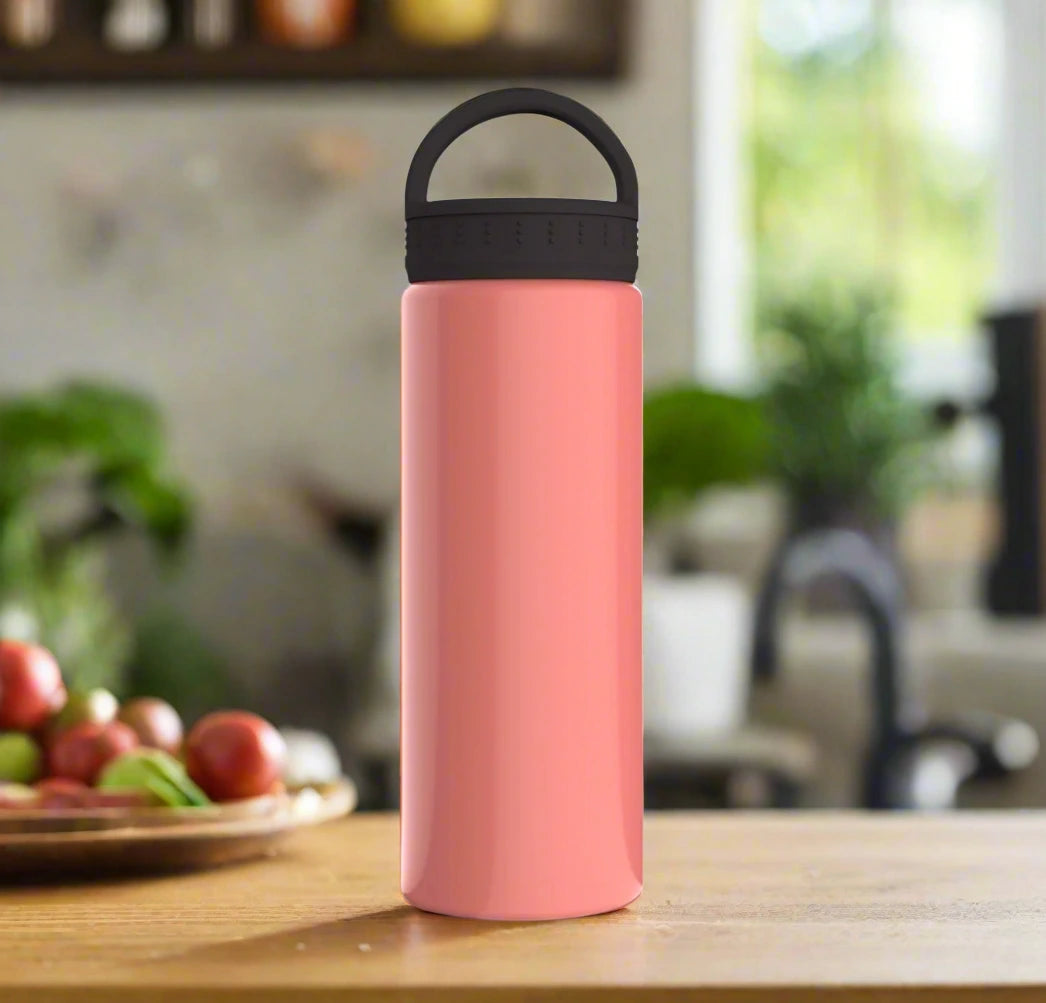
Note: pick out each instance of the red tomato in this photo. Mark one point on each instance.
(80, 752)
(59, 792)
(234, 754)
(155, 722)
(31, 687)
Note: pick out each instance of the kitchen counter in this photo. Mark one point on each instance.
(737, 907)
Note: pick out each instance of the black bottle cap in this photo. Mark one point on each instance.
(524, 238)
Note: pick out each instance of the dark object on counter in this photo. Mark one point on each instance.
(1015, 583)
(1016, 578)
(359, 529)
(911, 762)
(378, 781)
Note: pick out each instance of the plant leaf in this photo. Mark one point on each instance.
(695, 438)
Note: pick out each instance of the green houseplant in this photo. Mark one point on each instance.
(695, 438)
(846, 443)
(696, 623)
(75, 463)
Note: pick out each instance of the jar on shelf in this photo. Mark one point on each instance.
(212, 23)
(136, 25)
(306, 24)
(444, 23)
(28, 24)
(558, 23)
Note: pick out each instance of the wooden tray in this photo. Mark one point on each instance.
(37, 845)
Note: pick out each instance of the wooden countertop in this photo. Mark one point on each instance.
(737, 907)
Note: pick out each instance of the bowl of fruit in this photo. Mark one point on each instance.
(90, 785)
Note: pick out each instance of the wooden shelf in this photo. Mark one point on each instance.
(81, 58)
(77, 63)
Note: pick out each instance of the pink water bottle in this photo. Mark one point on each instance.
(522, 717)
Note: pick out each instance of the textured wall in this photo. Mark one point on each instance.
(261, 309)
(172, 240)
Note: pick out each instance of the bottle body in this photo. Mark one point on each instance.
(521, 757)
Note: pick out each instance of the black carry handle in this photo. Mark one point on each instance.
(521, 101)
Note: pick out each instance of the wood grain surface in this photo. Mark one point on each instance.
(809, 907)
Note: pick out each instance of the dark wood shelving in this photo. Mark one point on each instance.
(81, 58)
(80, 63)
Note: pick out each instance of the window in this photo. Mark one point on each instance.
(869, 134)
(872, 143)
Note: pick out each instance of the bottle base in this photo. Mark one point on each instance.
(510, 915)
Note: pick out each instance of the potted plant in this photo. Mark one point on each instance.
(847, 445)
(697, 624)
(846, 442)
(76, 463)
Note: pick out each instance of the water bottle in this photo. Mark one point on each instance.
(521, 580)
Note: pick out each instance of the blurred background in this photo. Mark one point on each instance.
(843, 257)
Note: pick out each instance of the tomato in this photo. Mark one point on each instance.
(234, 754)
(59, 792)
(31, 687)
(155, 722)
(81, 752)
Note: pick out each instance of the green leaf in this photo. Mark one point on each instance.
(155, 771)
(843, 432)
(108, 426)
(112, 441)
(695, 438)
(120, 427)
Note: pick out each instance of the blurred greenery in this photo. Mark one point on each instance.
(57, 597)
(173, 661)
(844, 437)
(99, 451)
(696, 438)
(848, 177)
